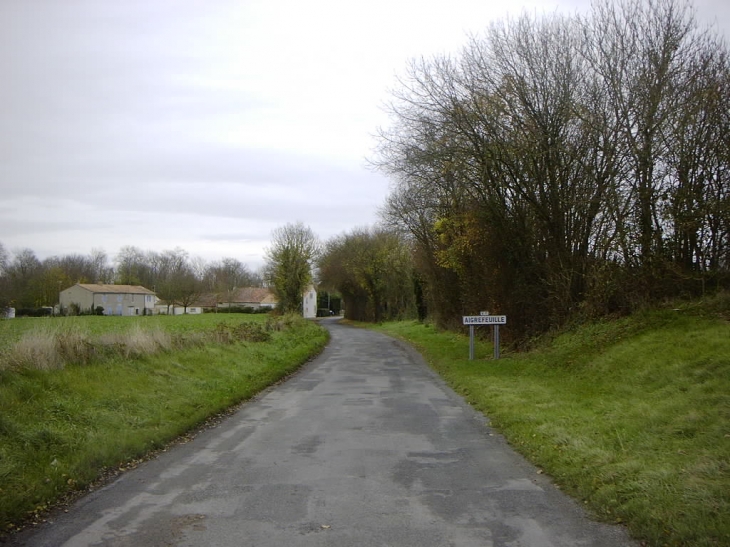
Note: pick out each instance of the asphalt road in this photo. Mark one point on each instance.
(364, 447)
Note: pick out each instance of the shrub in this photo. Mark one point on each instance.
(252, 332)
(224, 333)
(282, 322)
(34, 312)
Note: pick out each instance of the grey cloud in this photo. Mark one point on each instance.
(32, 225)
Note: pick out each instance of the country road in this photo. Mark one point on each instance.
(365, 446)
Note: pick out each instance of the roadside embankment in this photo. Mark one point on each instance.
(630, 416)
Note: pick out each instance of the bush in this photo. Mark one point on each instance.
(283, 322)
(34, 312)
(224, 333)
(239, 309)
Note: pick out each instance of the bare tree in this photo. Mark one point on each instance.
(4, 279)
(3, 259)
(22, 272)
(102, 272)
(641, 50)
(130, 264)
(558, 159)
(224, 276)
(696, 215)
(175, 281)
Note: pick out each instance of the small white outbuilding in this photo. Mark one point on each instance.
(309, 303)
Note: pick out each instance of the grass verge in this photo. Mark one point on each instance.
(61, 429)
(632, 417)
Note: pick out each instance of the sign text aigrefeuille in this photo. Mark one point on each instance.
(485, 319)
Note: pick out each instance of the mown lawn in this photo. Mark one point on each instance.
(631, 417)
(61, 429)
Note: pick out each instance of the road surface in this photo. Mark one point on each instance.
(364, 447)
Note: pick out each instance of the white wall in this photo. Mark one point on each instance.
(309, 306)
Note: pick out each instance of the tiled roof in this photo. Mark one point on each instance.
(270, 299)
(117, 289)
(207, 300)
(253, 295)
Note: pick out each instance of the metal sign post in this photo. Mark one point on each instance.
(495, 330)
(484, 319)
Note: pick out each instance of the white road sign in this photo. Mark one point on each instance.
(485, 319)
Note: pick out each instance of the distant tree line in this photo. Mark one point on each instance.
(368, 271)
(373, 271)
(29, 283)
(561, 165)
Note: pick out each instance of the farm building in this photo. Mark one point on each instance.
(201, 304)
(248, 297)
(163, 308)
(128, 300)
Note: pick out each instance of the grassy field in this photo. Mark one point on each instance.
(632, 417)
(64, 427)
(12, 330)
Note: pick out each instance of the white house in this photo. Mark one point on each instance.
(309, 303)
(128, 300)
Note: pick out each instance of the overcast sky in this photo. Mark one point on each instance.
(205, 124)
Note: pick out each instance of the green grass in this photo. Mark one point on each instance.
(61, 429)
(632, 417)
(11, 330)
